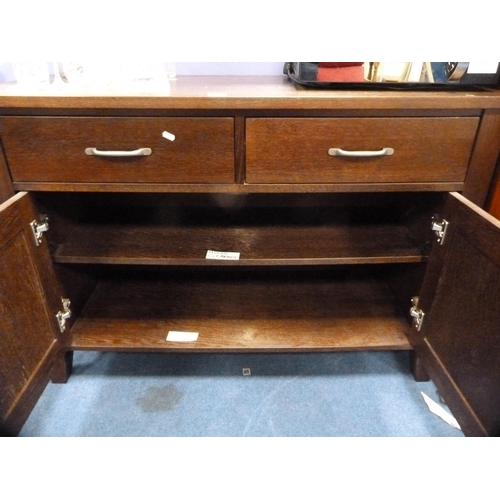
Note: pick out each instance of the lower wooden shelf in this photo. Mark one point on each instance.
(244, 312)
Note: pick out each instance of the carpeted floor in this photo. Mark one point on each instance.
(326, 395)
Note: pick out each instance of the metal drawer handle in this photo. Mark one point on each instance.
(135, 152)
(360, 154)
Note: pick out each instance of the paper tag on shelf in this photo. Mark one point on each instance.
(212, 254)
(175, 336)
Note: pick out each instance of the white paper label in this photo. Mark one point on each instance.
(440, 412)
(482, 68)
(168, 136)
(212, 254)
(175, 336)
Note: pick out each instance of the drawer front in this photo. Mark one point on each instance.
(52, 149)
(358, 150)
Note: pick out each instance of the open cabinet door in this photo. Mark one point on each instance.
(459, 337)
(29, 303)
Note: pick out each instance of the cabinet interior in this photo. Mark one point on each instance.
(315, 271)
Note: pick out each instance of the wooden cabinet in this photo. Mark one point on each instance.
(222, 210)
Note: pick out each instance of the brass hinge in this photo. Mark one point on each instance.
(64, 315)
(39, 228)
(439, 227)
(417, 314)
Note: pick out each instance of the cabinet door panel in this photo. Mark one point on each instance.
(460, 335)
(28, 305)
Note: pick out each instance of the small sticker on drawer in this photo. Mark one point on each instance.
(168, 136)
(176, 336)
(212, 254)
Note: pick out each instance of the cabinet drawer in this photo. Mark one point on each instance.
(298, 150)
(53, 149)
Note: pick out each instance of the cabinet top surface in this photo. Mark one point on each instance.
(240, 92)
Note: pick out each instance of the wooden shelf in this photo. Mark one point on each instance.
(267, 245)
(248, 311)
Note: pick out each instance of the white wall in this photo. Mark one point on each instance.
(6, 73)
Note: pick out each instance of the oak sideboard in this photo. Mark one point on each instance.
(248, 214)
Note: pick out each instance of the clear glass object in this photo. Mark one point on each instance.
(170, 69)
(73, 72)
(31, 74)
(143, 71)
(96, 74)
(57, 81)
(118, 75)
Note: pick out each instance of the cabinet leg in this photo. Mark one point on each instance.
(417, 368)
(62, 368)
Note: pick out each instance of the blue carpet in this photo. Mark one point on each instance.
(365, 394)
